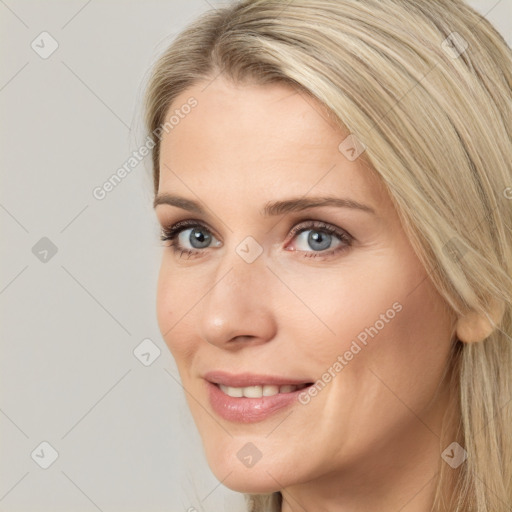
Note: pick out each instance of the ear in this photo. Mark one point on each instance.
(474, 327)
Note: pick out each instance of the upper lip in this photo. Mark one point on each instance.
(241, 380)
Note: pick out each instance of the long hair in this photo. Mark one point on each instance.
(426, 87)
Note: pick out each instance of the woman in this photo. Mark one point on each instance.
(333, 179)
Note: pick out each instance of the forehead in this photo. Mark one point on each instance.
(270, 138)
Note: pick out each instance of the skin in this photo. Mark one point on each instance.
(370, 439)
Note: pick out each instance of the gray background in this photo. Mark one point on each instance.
(70, 321)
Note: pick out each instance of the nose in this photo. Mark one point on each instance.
(237, 308)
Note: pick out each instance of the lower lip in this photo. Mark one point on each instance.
(248, 410)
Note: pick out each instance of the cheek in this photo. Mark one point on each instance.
(412, 358)
(386, 317)
(340, 305)
(174, 298)
(393, 336)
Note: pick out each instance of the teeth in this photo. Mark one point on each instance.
(258, 391)
(269, 390)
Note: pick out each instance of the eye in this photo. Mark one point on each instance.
(314, 238)
(186, 233)
(318, 239)
(197, 237)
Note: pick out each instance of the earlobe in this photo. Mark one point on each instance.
(474, 327)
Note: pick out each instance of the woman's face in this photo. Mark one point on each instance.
(342, 301)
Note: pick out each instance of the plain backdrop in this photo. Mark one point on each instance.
(78, 274)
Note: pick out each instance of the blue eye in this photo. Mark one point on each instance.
(191, 232)
(191, 237)
(320, 239)
(198, 237)
(317, 239)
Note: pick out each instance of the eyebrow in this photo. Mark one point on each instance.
(272, 207)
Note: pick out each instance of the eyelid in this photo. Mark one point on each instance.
(294, 230)
(312, 224)
(306, 223)
(188, 223)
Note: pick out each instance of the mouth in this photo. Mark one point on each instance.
(249, 398)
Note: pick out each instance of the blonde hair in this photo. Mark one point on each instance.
(426, 86)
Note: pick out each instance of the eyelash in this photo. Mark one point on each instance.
(171, 235)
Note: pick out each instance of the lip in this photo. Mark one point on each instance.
(249, 410)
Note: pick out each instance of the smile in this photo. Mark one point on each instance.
(259, 391)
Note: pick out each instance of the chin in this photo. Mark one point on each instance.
(261, 478)
(250, 483)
